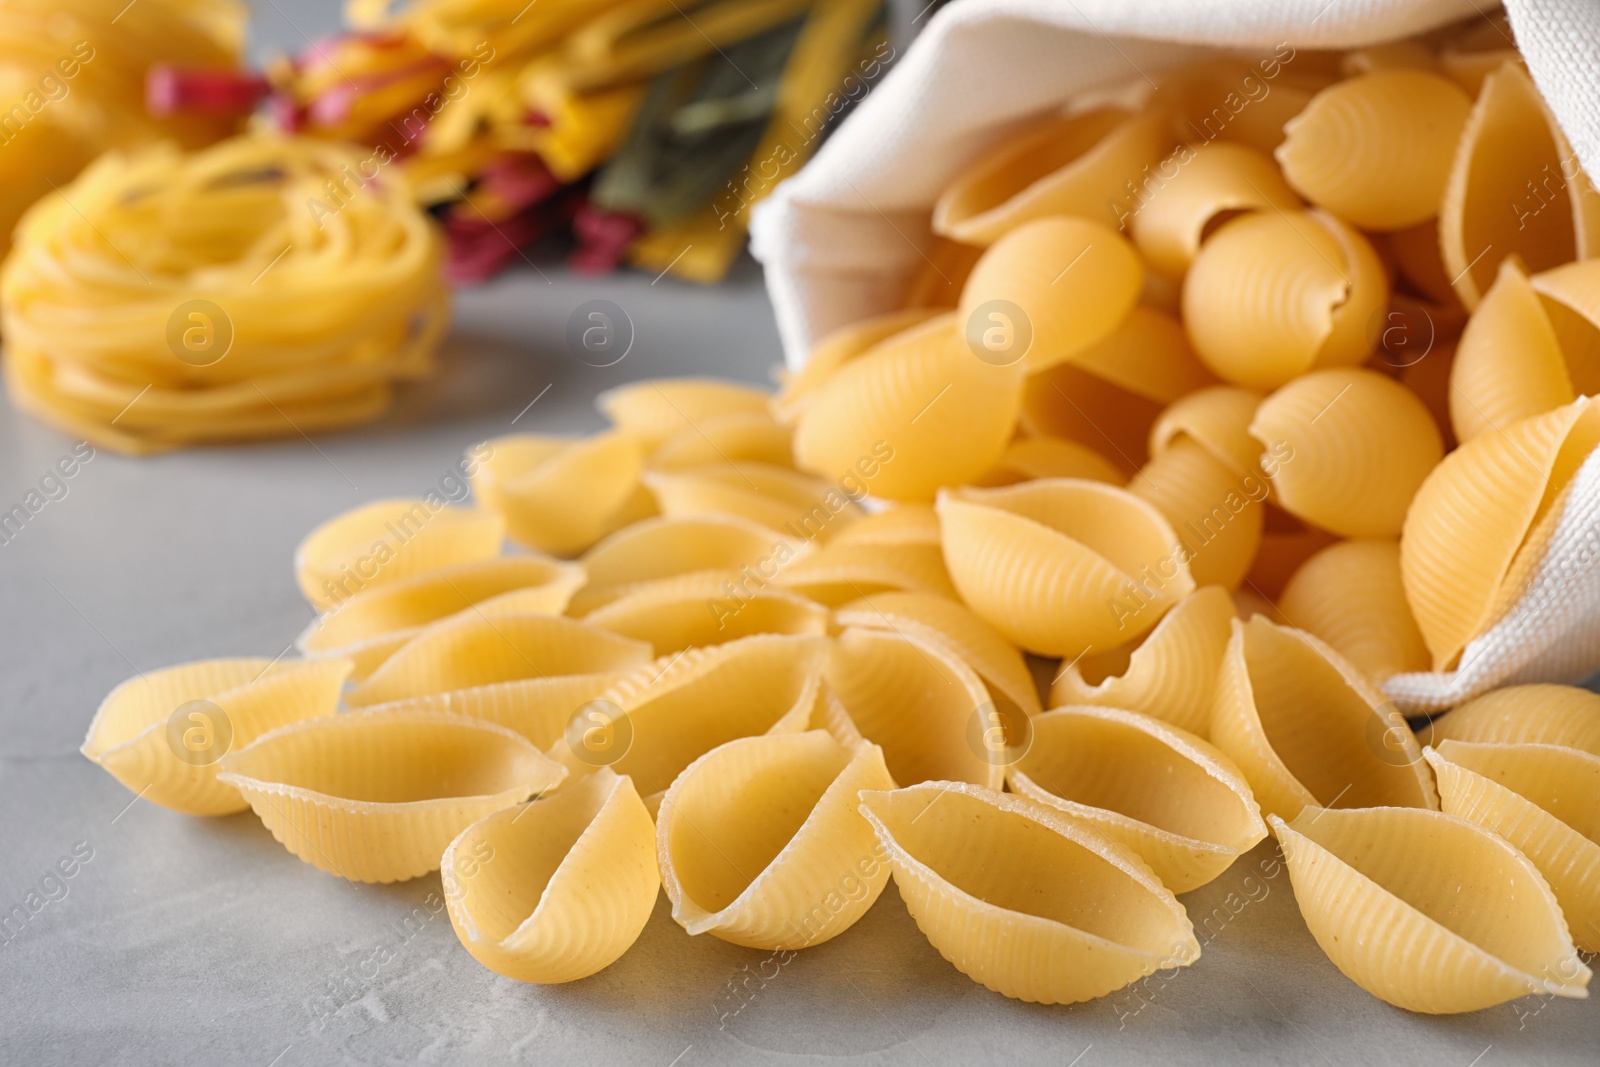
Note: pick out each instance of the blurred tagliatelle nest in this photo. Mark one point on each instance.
(166, 299)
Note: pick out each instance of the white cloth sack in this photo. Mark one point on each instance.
(840, 239)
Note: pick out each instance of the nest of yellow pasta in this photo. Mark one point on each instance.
(165, 299)
(1048, 596)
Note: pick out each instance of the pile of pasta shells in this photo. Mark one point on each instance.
(1048, 595)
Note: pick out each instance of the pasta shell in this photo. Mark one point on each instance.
(1030, 903)
(1286, 544)
(1427, 911)
(162, 733)
(916, 412)
(1073, 281)
(558, 889)
(668, 714)
(1217, 515)
(1065, 166)
(840, 347)
(1563, 715)
(747, 436)
(539, 709)
(1509, 363)
(559, 495)
(1359, 444)
(387, 540)
(668, 547)
(1376, 149)
(996, 660)
(1391, 55)
(917, 699)
(1473, 512)
(1057, 565)
(1222, 101)
(1179, 804)
(475, 650)
(1275, 294)
(376, 796)
(1211, 182)
(1543, 799)
(1415, 252)
(1148, 354)
(1510, 155)
(1171, 674)
(1218, 419)
(1351, 596)
(707, 608)
(774, 497)
(1070, 403)
(1307, 728)
(371, 625)
(1049, 457)
(900, 524)
(760, 842)
(653, 410)
(836, 574)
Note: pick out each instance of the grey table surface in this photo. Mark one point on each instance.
(199, 941)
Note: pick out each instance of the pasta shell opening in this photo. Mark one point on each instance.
(1049, 457)
(774, 497)
(838, 573)
(1205, 185)
(707, 608)
(556, 494)
(1068, 402)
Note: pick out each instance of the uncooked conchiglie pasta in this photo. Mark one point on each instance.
(1049, 457)
(760, 841)
(838, 348)
(557, 889)
(1286, 543)
(539, 709)
(1209, 182)
(1491, 210)
(387, 540)
(1361, 445)
(1070, 403)
(1030, 903)
(654, 410)
(1239, 101)
(1216, 515)
(1415, 253)
(707, 608)
(371, 625)
(1274, 294)
(1543, 799)
(162, 733)
(1472, 514)
(775, 497)
(1218, 419)
(1376, 149)
(936, 283)
(1170, 674)
(1148, 354)
(1060, 565)
(837, 574)
(1065, 166)
(739, 435)
(1427, 911)
(920, 702)
(1565, 715)
(912, 414)
(1351, 596)
(559, 494)
(1175, 801)
(474, 650)
(1308, 728)
(1072, 280)
(377, 796)
(899, 524)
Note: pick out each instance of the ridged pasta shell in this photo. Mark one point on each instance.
(1073, 280)
(1565, 715)
(1060, 564)
(1175, 801)
(1274, 294)
(675, 710)
(1170, 674)
(996, 660)
(476, 650)
(760, 841)
(775, 497)
(707, 608)
(1512, 146)
(1148, 354)
(1070, 403)
(537, 708)
(141, 726)
(1473, 512)
(840, 347)
(1286, 544)
(1216, 418)
(1307, 728)
(899, 524)
(838, 573)
(668, 547)
(377, 796)
(1216, 514)
(656, 409)
(1361, 444)
(370, 626)
(920, 702)
(1351, 596)
(387, 540)
(1049, 457)
(915, 412)
(1376, 149)
(741, 435)
(1030, 903)
(558, 494)
(1210, 182)
(1543, 799)
(557, 889)
(1065, 166)
(1427, 911)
